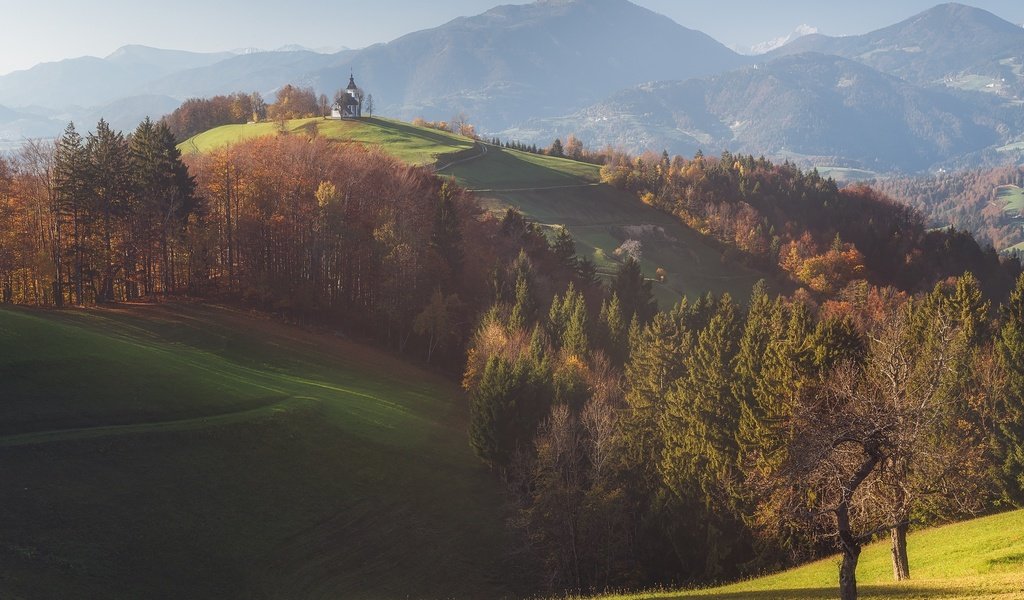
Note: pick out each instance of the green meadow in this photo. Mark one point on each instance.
(557, 192)
(981, 558)
(181, 451)
(412, 144)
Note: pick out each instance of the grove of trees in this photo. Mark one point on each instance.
(882, 391)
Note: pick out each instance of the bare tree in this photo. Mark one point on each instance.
(867, 445)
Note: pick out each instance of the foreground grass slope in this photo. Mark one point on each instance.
(414, 145)
(981, 558)
(197, 452)
(559, 192)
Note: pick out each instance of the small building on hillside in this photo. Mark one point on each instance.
(349, 103)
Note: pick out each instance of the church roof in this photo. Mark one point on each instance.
(352, 83)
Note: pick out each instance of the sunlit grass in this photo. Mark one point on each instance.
(981, 558)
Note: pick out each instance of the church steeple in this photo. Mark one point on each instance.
(352, 82)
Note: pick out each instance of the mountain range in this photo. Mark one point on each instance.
(943, 87)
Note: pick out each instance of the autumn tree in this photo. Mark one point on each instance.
(871, 444)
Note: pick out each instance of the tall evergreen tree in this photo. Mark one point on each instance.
(110, 187)
(70, 174)
(634, 291)
(1009, 350)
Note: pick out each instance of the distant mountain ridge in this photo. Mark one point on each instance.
(943, 87)
(808, 107)
(950, 44)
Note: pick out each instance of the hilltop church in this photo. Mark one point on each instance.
(349, 104)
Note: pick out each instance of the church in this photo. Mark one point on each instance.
(349, 104)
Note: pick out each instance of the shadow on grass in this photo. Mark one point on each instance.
(411, 131)
(864, 591)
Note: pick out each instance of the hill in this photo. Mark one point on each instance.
(412, 144)
(519, 61)
(559, 192)
(951, 44)
(812, 108)
(973, 559)
(552, 191)
(184, 451)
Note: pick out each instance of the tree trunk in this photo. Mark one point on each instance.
(848, 572)
(900, 565)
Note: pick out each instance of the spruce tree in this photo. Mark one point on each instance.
(564, 249)
(492, 412)
(634, 291)
(1009, 349)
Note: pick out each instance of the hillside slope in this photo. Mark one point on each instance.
(197, 452)
(552, 191)
(559, 192)
(981, 558)
(412, 144)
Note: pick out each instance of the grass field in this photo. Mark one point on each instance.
(415, 145)
(982, 558)
(558, 192)
(198, 452)
(1012, 199)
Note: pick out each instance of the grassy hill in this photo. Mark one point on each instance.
(198, 452)
(982, 558)
(552, 191)
(415, 145)
(1012, 199)
(558, 192)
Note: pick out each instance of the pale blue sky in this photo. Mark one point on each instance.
(44, 30)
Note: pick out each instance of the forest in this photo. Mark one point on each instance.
(803, 226)
(878, 388)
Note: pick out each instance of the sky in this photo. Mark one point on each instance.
(49, 30)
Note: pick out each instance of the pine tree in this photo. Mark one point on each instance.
(575, 340)
(612, 332)
(70, 174)
(492, 413)
(564, 249)
(634, 291)
(524, 310)
(1009, 350)
(110, 188)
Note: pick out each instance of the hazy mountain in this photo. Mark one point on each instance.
(517, 61)
(808, 107)
(765, 47)
(161, 62)
(89, 81)
(259, 71)
(16, 125)
(951, 44)
(126, 113)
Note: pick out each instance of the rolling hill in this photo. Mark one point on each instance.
(973, 559)
(518, 61)
(557, 192)
(552, 191)
(183, 451)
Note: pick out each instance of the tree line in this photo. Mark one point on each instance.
(718, 439)
(197, 115)
(803, 226)
(303, 227)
